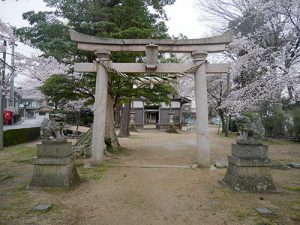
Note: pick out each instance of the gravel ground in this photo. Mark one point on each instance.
(136, 190)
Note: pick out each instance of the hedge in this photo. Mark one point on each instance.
(19, 136)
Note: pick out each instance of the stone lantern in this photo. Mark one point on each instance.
(171, 126)
(132, 126)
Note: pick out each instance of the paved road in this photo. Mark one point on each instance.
(26, 123)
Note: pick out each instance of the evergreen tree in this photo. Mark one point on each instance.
(49, 31)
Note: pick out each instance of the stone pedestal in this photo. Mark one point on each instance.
(249, 169)
(171, 126)
(54, 165)
(132, 126)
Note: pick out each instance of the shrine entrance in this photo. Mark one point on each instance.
(198, 48)
(151, 117)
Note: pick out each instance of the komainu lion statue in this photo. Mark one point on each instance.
(53, 129)
(251, 132)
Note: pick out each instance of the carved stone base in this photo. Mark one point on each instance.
(249, 169)
(54, 165)
(172, 129)
(132, 127)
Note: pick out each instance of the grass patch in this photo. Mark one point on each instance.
(231, 135)
(121, 151)
(18, 202)
(54, 190)
(277, 142)
(264, 222)
(4, 176)
(18, 154)
(134, 137)
(91, 173)
(243, 214)
(292, 188)
(296, 217)
(265, 219)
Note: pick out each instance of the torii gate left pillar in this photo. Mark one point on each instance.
(98, 143)
(203, 153)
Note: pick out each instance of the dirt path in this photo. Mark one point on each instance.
(154, 196)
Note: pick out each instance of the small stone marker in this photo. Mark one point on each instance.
(264, 211)
(220, 165)
(280, 166)
(294, 165)
(42, 207)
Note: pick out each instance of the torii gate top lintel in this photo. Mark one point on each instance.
(209, 45)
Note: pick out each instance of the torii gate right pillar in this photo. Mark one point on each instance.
(203, 153)
(100, 109)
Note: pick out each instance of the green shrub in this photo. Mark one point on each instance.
(274, 125)
(233, 125)
(19, 136)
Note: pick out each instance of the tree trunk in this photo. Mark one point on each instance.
(77, 116)
(117, 117)
(224, 125)
(111, 139)
(125, 119)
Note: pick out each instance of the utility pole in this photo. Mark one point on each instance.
(2, 76)
(227, 93)
(12, 77)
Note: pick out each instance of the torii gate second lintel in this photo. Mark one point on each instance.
(199, 48)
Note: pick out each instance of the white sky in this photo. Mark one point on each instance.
(12, 10)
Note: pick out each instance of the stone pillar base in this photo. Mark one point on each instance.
(132, 127)
(249, 169)
(172, 129)
(54, 165)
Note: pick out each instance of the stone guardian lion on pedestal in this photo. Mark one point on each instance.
(251, 132)
(53, 129)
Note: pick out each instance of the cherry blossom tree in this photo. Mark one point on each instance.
(76, 107)
(35, 71)
(265, 52)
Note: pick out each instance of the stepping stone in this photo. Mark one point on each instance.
(294, 165)
(279, 166)
(42, 207)
(264, 211)
(220, 165)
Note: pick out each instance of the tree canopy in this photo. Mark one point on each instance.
(49, 31)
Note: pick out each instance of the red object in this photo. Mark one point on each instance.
(8, 117)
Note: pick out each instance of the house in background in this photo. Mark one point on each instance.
(43, 112)
(157, 116)
(29, 105)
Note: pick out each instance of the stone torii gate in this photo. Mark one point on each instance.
(198, 48)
